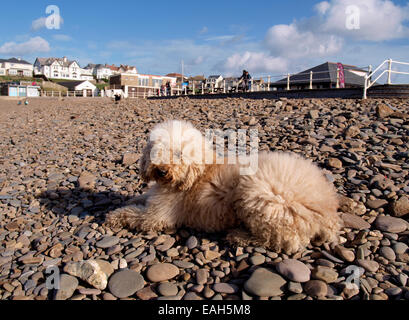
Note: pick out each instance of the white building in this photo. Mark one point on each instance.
(99, 71)
(85, 88)
(60, 68)
(15, 67)
(215, 81)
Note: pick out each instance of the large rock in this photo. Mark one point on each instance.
(383, 111)
(86, 180)
(265, 283)
(162, 272)
(130, 158)
(94, 272)
(354, 222)
(390, 224)
(68, 285)
(125, 283)
(400, 207)
(294, 270)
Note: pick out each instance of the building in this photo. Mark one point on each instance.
(81, 88)
(136, 85)
(21, 89)
(180, 79)
(15, 67)
(325, 76)
(215, 81)
(100, 71)
(60, 68)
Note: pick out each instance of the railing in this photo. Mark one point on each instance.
(368, 78)
(63, 94)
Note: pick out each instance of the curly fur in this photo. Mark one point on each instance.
(284, 206)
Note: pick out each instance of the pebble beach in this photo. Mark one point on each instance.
(66, 163)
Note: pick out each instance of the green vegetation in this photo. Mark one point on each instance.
(11, 78)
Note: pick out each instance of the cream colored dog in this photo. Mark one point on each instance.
(284, 206)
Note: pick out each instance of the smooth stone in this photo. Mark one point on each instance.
(376, 204)
(265, 283)
(388, 253)
(192, 242)
(369, 265)
(107, 242)
(295, 287)
(162, 272)
(390, 224)
(202, 276)
(168, 289)
(68, 285)
(225, 288)
(294, 270)
(400, 207)
(345, 254)
(316, 288)
(183, 264)
(354, 222)
(325, 274)
(125, 283)
(257, 260)
(400, 247)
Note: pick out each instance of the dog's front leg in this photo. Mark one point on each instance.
(137, 218)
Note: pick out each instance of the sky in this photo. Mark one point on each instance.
(266, 37)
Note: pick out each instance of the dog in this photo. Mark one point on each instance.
(284, 206)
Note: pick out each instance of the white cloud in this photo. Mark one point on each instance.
(256, 62)
(380, 20)
(40, 23)
(322, 7)
(33, 45)
(289, 41)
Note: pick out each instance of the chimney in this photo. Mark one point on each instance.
(65, 59)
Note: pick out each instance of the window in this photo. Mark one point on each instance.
(156, 83)
(143, 82)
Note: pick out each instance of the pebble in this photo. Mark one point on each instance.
(387, 253)
(162, 272)
(225, 288)
(390, 224)
(168, 289)
(257, 260)
(316, 288)
(354, 222)
(369, 265)
(325, 274)
(107, 242)
(68, 285)
(125, 283)
(265, 283)
(294, 270)
(192, 242)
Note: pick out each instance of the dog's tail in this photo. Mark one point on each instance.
(288, 203)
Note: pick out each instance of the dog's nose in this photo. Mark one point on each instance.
(161, 173)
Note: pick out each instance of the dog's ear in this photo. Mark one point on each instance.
(145, 164)
(192, 173)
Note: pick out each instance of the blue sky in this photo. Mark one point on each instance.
(265, 37)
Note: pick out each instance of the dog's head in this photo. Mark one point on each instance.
(175, 155)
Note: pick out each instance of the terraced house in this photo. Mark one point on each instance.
(60, 68)
(15, 67)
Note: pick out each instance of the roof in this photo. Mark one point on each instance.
(327, 73)
(215, 76)
(15, 60)
(71, 84)
(197, 78)
(61, 61)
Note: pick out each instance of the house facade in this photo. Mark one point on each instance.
(61, 68)
(15, 67)
(135, 85)
(83, 88)
(215, 81)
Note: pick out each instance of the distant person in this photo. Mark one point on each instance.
(245, 78)
(162, 90)
(168, 89)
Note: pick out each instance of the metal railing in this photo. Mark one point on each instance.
(368, 78)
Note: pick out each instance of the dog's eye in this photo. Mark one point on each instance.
(161, 173)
